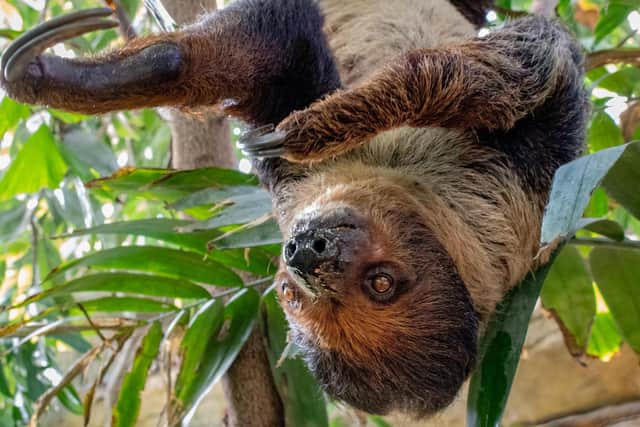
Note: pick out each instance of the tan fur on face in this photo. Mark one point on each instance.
(483, 218)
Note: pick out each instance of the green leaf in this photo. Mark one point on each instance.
(603, 132)
(71, 400)
(127, 409)
(617, 273)
(621, 182)
(168, 184)
(598, 205)
(604, 227)
(120, 304)
(222, 347)
(304, 403)
(86, 152)
(613, 16)
(499, 351)
(142, 284)
(158, 260)
(568, 294)
(212, 196)
(625, 81)
(13, 220)
(605, 338)
(244, 209)
(9, 34)
(254, 261)
(266, 233)
(572, 186)
(38, 165)
(11, 112)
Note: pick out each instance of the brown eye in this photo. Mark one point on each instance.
(382, 283)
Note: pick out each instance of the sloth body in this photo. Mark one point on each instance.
(416, 163)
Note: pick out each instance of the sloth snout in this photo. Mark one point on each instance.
(308, 250)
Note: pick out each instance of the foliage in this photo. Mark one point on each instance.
(95, 268)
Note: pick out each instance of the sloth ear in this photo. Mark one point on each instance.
(257, 60)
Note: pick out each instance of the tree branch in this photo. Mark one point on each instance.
(544, 7)
(205, 140)
(612, 56)
(609, 415)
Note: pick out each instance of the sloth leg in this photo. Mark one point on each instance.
(485, 84)
(259, 60)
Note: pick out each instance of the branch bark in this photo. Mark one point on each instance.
(200, 141)
(544, 7)
(612, 56)
(607, 416)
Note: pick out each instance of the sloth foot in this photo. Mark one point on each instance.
(32, 43)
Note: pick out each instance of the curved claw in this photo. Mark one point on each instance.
(263, 142)
(32, 43)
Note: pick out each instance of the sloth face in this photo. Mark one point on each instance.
(376, 305)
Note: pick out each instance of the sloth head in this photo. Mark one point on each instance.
(383, 320)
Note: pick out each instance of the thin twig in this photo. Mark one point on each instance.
(95, 328)
(594, 241)
(73, 372)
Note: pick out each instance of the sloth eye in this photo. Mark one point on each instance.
(382, 283)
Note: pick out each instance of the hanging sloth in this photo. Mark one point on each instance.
(409, 162)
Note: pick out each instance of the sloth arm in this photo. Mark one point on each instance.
(257, 60)
(486, 84)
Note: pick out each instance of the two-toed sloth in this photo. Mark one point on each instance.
(409, 167)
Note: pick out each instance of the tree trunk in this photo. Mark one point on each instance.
(200, 141)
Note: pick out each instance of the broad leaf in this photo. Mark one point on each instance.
(39, 164)
(604, 227)
(170, 185)
(499, 352)
(266, 233)
(622, 181)
(244, 209)
(304, 403)
(605, 338)
(617, 273)
(222, 347)
(121, 304)
(11, 112)
(572, 186)
(142, 284)
(157, 260)
(568, 294)
(127, 409)
(254, 261)
(603, 132)
(614, 15)
(13, 220)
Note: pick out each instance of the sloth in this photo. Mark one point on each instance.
(409, 162)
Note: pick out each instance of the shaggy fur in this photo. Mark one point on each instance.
(419, 152)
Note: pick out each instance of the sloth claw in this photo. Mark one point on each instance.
(32, 43)
(263, 142)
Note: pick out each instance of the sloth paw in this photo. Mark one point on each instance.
(25, 49)
(304, 136)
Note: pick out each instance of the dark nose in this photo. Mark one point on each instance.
(308, 250)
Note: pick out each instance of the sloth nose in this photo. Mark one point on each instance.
(308, 250)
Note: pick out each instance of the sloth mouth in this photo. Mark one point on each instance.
(311, 285)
